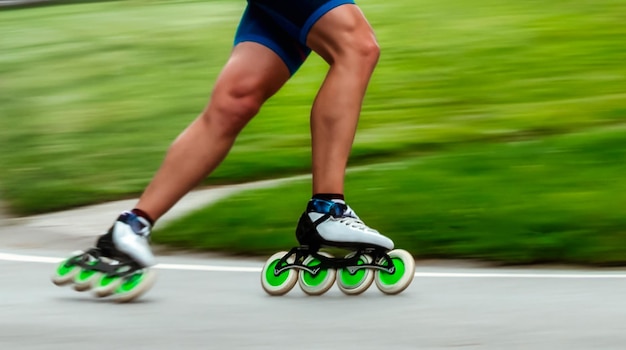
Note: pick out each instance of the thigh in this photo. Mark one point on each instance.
(253, 71)
(258, 26)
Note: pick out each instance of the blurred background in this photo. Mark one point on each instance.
(493, 130)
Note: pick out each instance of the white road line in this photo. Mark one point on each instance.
(213, 268)
(29, 258)
(49, 260)
(207, 268)
(550, 275)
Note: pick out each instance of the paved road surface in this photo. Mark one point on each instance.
(197, 306)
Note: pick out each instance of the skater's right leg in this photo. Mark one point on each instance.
(252, 75)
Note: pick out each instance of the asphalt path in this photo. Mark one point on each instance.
(204, 301)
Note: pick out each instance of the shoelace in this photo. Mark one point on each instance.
(355, 223)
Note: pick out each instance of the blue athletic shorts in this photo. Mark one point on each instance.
(283, 26)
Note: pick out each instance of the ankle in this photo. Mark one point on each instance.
(144, 215)
(329, 197)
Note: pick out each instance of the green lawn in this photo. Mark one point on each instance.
(556, 200)
(92, 94)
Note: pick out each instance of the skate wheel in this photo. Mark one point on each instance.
(321, 282)
(394, 283)
(284, 282)
(66, 271)
(357, 282)
(106, 285)
(133, 286)
(86, 279)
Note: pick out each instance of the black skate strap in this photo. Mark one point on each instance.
(330, 208)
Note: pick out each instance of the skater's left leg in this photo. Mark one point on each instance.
(344, 38)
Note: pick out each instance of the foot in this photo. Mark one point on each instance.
(333, 223)
(129, 236)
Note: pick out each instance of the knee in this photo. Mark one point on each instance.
(344, 37)
(360, 49)
(359, 55)
(367, 49)
(232, 108)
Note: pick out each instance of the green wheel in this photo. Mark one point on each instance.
(394, 283)
(66, 271)
(319, 283)
(86, 278)
(278, 284)
(134, 285)
(357, 282)
(107, 285)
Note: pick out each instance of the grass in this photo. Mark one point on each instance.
(556, 200)
(92, 94)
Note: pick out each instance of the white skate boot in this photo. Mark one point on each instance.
(118, 265)
(333, 223)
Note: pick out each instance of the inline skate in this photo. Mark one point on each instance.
(119, 264)
(334, 224)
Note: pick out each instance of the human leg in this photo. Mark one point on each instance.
(252, 74)
(262, 60)
(338, 31)
(344, 38)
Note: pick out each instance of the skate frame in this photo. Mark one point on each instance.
(85, 261)
(351, 263)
